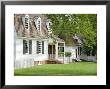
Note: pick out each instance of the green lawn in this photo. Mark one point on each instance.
(73, 69)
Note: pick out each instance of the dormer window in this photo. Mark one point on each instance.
(48, 23)
(26, 23)
(38, 23)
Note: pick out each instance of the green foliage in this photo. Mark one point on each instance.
(67, 54)
(61, 54)
(84, 25)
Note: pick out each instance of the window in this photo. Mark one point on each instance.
(39, 25)
(26, 22)
(49, 26)
(75, 40)
(60, 49)
(40, 47)
(27, 46)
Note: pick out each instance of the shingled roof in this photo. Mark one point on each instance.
(33, 32)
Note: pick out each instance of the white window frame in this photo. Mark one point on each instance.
(40, 47)
(28, 47)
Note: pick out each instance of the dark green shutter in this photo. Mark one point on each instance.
(30, 46)
(23, 46)
(42, 47)
(37, 49)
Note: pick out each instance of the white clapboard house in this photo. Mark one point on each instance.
(34, 42)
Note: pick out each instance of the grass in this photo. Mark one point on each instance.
(73, 69)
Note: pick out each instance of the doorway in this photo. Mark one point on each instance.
(51, 52)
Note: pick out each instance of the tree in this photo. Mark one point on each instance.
(66, 26)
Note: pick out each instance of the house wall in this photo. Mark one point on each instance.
(73, 51)
(27, 60)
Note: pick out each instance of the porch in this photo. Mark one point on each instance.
(55, 52)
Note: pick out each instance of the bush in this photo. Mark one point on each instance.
(67, 54)
(60, 54)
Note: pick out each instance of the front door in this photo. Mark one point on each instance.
(51, 52)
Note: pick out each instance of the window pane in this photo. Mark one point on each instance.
(38, 25)
(61, 49)
(39, 47)
(26, 23)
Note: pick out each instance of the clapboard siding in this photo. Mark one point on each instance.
(28, 59)
(72, 50)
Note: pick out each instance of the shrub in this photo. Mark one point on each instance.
(60, 54)
(67, 54)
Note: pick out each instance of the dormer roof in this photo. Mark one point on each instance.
(22, 32)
